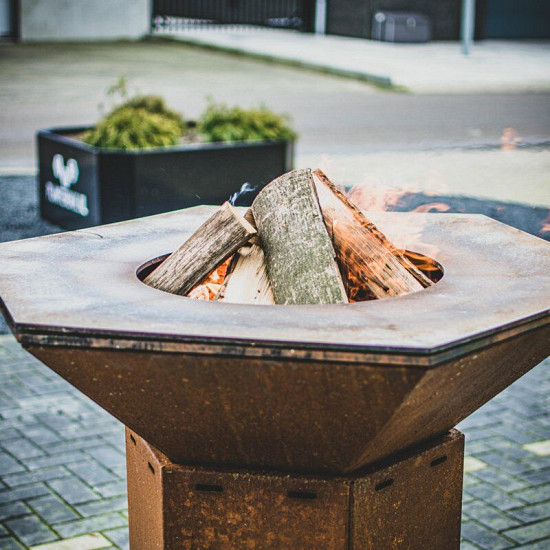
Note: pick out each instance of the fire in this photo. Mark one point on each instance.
(372, 198)
(357, 290)
(209, 287)
(509, 139)
(429, 267)
(433, 207)
(376, 197)
(545, 227)
(392, 199)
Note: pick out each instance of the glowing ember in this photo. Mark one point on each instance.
(210, 286)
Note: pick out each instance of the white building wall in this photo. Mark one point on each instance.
(44, 20)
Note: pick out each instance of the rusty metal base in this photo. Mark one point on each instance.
(412, 503)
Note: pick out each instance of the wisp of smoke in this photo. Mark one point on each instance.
(244, 190)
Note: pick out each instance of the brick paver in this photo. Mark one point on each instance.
(62, 478)
(61, 462)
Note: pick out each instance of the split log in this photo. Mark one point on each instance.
(249, 217)
(247, 281)
(299, 254)
(371, 267)
(213, 242)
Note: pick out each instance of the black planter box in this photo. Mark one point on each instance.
(82, 186)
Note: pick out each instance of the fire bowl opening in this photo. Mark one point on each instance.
(430, 267)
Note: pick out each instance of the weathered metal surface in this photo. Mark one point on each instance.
(297, 388)
(145, 493)
(411, 503)
(289, 415)
(81, 289)
(451, 392)
(414, 503)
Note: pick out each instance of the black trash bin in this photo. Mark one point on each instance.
(390, 26)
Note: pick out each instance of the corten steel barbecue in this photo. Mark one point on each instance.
(348, 407)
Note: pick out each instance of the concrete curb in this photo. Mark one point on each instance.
(381, 81)
(18, 171)
(436, 68)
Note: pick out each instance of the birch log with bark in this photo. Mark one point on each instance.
(370, 265)
(299, 254)
(214, 241)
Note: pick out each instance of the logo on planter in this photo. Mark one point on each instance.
(62, 195)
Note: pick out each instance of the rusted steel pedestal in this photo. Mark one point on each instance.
(413, 502)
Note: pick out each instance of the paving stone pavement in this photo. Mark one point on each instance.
(62, 464)
(62, 469)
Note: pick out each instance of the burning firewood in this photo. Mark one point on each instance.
(300, 258)
(371, 267)
(213, 242)
(301, 242)
(210, 287)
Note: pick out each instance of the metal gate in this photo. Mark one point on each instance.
(287, 14)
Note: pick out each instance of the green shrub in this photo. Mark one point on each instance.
(131, 128)
(138, 122)
(145, 121)
(223, 123)
(152, 104)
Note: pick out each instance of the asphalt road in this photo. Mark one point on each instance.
(44, 85)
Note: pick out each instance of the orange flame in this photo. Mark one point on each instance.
(375, 199)
(545, 227)
(432, 207)
(427, 265)
(374, 196)
(509, 139)
(209, 287)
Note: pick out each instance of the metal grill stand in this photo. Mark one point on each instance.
(411, 501)
(319, 391)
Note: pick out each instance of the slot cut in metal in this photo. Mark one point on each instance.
(305, 495)
(209, 488)
(438, 461)
(383, 484)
